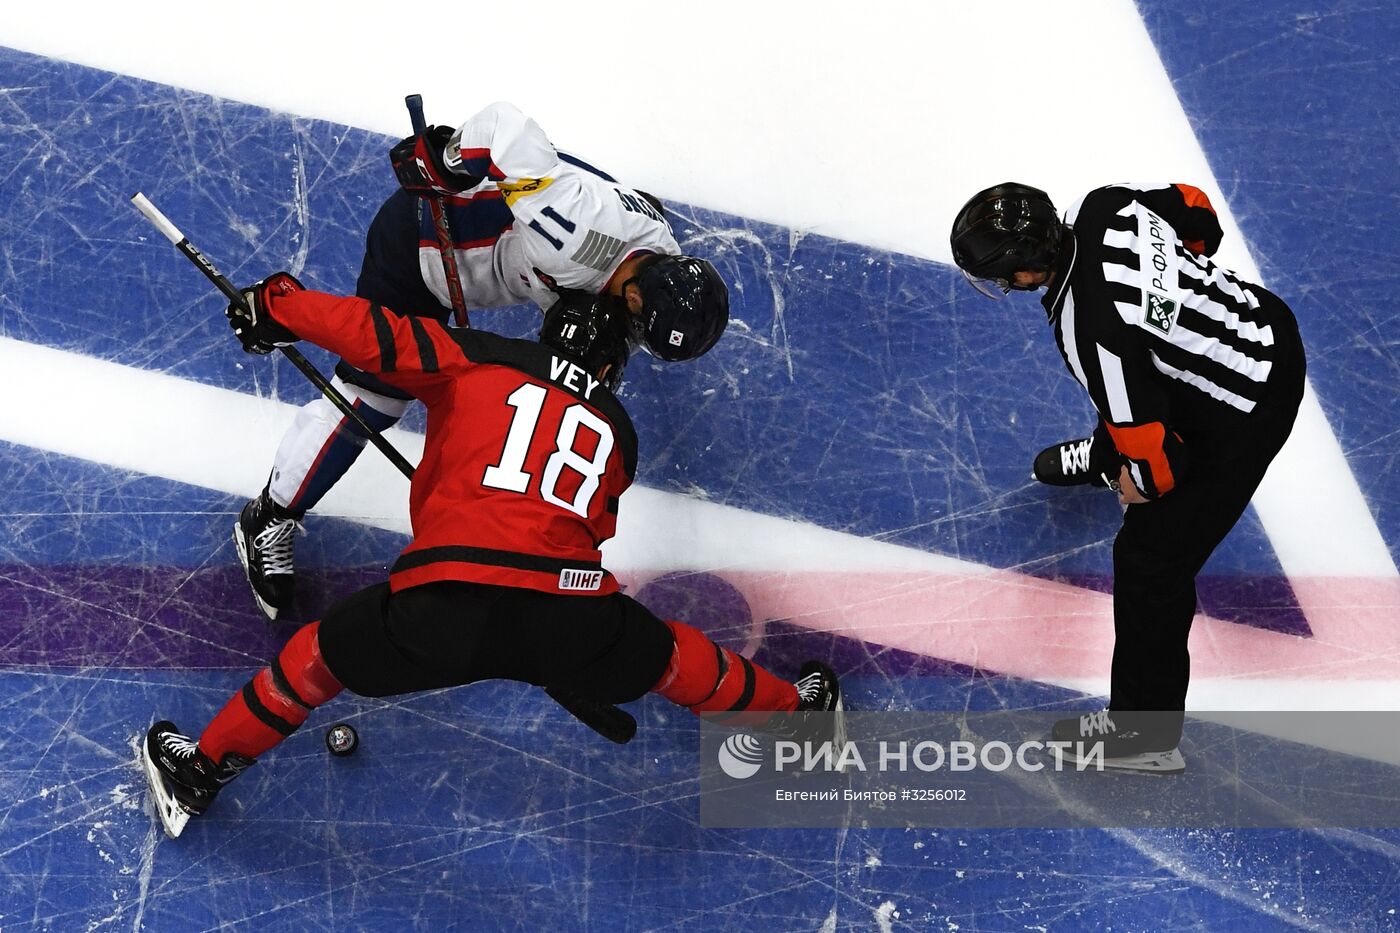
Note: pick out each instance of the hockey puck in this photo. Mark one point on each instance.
(342, 739)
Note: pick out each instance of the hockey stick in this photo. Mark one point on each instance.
(414, 102)
(182, 243)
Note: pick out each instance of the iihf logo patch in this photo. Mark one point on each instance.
(580, 579)
(676, 338)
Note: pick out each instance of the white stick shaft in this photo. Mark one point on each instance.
(162, 223)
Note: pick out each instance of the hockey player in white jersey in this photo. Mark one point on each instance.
(528, 223)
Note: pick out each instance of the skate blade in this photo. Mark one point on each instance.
(1169, 762)
(839, 736)
(838, 728)
(241, 543)
(172, 816)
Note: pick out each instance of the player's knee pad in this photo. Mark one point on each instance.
(319, 419)
(303, 670)
(323, 443)
(380, 411)
(695, 668)
(706, 678)
(293, 684)
(275, 702)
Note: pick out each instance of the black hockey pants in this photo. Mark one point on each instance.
(378, 643)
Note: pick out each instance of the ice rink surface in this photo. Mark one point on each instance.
(845, 476)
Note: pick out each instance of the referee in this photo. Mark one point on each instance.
(1196, 375)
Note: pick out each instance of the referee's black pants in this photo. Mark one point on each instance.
(1164, 543)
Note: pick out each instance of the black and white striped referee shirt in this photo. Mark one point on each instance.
(1154, 329)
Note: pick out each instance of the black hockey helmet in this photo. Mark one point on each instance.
(1003, 230)
(685, 307)
(591, 330)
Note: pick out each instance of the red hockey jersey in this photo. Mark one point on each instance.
(525, 457)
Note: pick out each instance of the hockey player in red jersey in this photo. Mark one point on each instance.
(527, 453)
(529, 223)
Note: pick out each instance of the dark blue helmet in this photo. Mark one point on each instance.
(591, 330)
(1005, 229)
(685, 307)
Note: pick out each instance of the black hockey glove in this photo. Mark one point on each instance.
(252, 324)
(421, 167)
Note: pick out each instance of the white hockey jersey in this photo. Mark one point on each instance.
(540, 219)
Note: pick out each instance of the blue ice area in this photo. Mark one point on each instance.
(1295, 105)
(483, 809)
(858, 390)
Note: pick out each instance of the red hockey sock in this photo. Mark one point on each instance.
(275, 702)
(706, 678)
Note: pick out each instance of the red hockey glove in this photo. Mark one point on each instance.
(420, 166)
(252, 324)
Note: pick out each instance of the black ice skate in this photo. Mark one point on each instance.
(263, 534)
(182, 780)
(818, 690)
(820, 714)
(1124, 748)
(1086, 461)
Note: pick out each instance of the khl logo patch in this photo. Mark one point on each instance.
(1160, 312)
